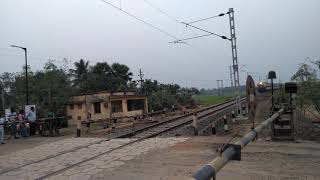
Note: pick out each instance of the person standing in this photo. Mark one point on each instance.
(22, 124)
(2, 121)
(88, 121)
(31, 117)
(14, 127)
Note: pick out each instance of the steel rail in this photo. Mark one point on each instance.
(176, 118)
(210, 170)
(153, 134)
(124, 135)
(167, 127)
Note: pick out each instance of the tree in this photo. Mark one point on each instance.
(99, 77)
(80, 75)
(308, 94)
(121, 75)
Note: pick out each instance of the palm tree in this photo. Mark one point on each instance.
(80, 74)
(121, 75)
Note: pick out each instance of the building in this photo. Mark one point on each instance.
(105, 105)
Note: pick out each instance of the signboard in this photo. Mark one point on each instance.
(251, 98)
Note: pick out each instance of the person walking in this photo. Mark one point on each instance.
(2, 121)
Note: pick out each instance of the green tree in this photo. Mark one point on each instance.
(121, 75)
(308, 94)
(80, 76)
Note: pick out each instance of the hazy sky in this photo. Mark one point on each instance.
(272, 34)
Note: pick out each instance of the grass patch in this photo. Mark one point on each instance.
(208, 100)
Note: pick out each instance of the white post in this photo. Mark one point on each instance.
(225, 122)
(195, 123)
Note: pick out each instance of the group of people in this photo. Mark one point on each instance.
(19, 124)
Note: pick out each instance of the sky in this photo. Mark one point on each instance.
(271, 35)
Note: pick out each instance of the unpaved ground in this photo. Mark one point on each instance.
(261, 160)
(14, 145)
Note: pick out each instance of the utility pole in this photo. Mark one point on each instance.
(221, 87)
(25, 56)
(218, 86)
(234, 57)
(231, 76)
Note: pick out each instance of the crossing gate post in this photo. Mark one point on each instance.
(213, 128)
(163, 114)
(244, 110)
(225, 122)
(233, 115)
(78, 128)
(195, 123)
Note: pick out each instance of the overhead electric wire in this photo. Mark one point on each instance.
(151, 25)
(161, 11)
(223, 37)
(141, 20)
(220, 15)
(195, 37)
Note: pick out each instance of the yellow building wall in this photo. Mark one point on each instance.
(87, 103)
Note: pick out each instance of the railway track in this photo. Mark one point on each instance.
(164, 126)
(137, 136)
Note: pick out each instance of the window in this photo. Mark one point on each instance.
(71, 106)
(97, 107)
(79, 118)
(116, 106)
(79, 106)
(135, 104)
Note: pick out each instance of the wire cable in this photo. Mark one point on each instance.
(195, 37)
(141, 20)
(204, 19)
(161, 11)
(223, 37)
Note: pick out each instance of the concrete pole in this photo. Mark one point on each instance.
(221, 87)
(134, 125)
(225, 122)
(213, 128)
(244, 107)
(195, 123)
(218, 86)
(233, 115)
(113, 128)
(78, 128)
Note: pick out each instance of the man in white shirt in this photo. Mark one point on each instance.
(31, 117)
(2, 121)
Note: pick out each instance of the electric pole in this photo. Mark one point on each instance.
(234, 57)
(218, 86)
(231, 76)
(221, 87)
